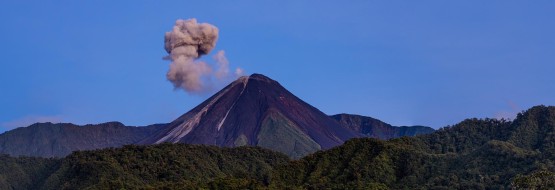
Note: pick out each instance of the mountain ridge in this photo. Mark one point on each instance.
(472, 154)
(376, 128)
(60, 139)
(251, 111)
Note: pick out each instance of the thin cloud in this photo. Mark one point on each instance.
(510, 113)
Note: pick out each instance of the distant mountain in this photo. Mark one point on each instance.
(256, 111)
(377, 129)
(58, 140)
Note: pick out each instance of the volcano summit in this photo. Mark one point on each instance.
(256, 111)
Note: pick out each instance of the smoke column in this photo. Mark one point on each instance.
(185, 44)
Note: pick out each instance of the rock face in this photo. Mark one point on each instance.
(375, 128)
(256, 111)
(58, 140)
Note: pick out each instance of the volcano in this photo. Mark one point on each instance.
(251, 111)
(256, 111)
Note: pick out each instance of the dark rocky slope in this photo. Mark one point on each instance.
(256, 111)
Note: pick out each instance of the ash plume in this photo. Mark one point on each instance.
(185, 44)
(223, 67)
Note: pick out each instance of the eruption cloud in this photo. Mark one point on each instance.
(185, 44)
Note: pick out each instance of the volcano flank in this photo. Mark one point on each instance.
(256, 111)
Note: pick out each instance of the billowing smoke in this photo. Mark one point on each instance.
(186, 43)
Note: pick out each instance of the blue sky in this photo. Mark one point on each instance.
(429, 63)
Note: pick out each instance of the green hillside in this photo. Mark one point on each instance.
(474, 154)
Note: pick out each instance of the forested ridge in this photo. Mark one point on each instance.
(473, 154)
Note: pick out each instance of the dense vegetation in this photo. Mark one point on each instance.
(153, 167)
(474, 154)
(25, 172)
